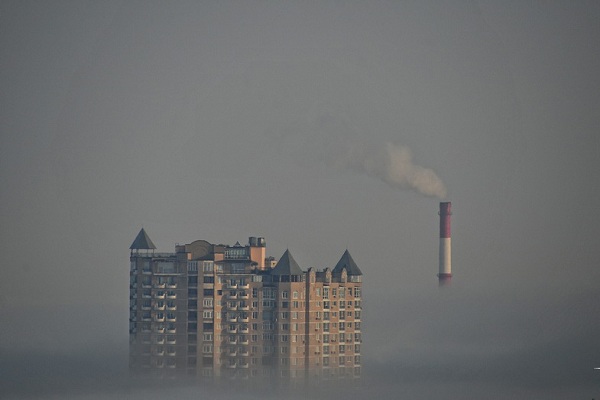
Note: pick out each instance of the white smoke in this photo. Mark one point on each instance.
(393, 164)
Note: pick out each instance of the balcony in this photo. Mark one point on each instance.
(244, 365)
(171, 308)
(244, 308)
(171, 341)
(160, 330)
(160, 353)
(171, 295)
(244, 341)
(244, 330)
(242, 319)
(159, 296)
(160, 340)
(244, 286)
(159, 319)
(244, 296)
(232, 319)
(233, 308)
(159, 286)
(232, 330)
(231, 366)
(173, 330)
(233, 342)
(157, 308)
(146, 271)
(232, 354)
(172, 319)
(231, 286)
(232, 296)
(172, 286)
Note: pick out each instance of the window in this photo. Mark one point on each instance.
(357, 293)
(207, 314)
(207, 266)
(284, 294)
(285, 304)
(268, 303)
(209, 292)
(295, 295)
(342, 337)
(254, 338)
(326, 293)
(356, 314)
(209, 279)
(326, 326)
(326, 315)
(267, 326)
(207, 348)
(357, 348)
(341, 347)
(284, 315)
(295, 304)
(254, 293)
(207, 337)
(342, 360)
(325, 349)
(318, 291)
(326, 305)
(342, 315)
(295, 315)
(334, 292)
(342, 303)
(325, 338)
(326, 361)
(207, 302)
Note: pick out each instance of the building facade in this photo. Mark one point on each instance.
(212, 310)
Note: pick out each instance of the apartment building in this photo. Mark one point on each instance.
(213, 310)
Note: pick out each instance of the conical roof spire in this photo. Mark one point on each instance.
(142, 242)
(347, 262)
(287, 266)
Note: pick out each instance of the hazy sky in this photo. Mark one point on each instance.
(224, 120)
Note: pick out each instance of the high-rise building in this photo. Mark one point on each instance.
(213, 310)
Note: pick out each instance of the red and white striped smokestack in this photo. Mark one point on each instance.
(445, 274)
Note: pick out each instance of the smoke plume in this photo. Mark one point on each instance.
(393, 164)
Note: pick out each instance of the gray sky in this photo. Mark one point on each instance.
(223, 120)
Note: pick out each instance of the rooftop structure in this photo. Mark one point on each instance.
(213, 310)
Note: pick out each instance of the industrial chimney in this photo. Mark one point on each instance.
(445, 274)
